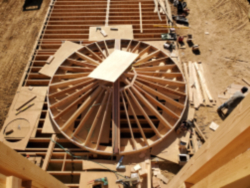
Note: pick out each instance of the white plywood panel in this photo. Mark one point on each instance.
(114, 66)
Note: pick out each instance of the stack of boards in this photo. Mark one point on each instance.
(199, 93)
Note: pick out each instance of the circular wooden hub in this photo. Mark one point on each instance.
(128, 114)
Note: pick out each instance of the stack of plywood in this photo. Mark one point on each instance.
(199, 93)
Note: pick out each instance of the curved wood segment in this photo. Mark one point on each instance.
(130, 115)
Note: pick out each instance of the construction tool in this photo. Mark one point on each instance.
(128, 182)
(119, 166)
(24, 108)
(103, 181)
(98, 28)
(168, 26)
(25, 103)
(114, 29)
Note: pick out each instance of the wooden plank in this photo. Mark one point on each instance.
(203, 82)
(107, 14)
(124, 31)
(200, 133)
(110, 70)
(116, 117)
(235, 173)
(87, 58)
(13, 182)
(49, 152)
(198, 95)
(140, 13)
(229, 140)
(13, 164)
(66, 49)
(149, 173)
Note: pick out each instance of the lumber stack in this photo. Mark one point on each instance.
(199, 94)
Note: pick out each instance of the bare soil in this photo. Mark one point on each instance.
(18, 33)
(224, 52)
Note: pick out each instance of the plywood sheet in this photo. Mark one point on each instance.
(168, 148)
(114, 66)
(48, 126)
(89, 176)
(23, 95)
(13, 122)
(124, 31)
(66, 49)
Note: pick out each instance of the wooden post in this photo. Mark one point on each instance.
(13, 164)
(13, 182)
(230, 140)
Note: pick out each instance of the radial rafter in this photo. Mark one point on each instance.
(138, 110)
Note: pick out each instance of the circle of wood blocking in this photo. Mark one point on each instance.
(136, 112)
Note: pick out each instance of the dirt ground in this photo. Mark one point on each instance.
(224, 51)
(18, 32)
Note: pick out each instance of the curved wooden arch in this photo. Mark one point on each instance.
(130, 115)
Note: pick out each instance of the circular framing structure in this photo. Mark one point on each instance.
(132, 114)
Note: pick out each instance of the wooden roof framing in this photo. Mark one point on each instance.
(149, 85)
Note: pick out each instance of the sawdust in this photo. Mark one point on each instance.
(18, 33)
(224, 52)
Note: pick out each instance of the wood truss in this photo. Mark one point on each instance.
(144, 104)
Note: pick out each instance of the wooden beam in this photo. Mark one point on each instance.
(88, 59)
(235, 173)
(49, 152)
(13, 164)
(229, 140)
(116, 117)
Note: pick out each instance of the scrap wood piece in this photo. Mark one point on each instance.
(49, 60)
(149, 175)
(66, 49)
(200, 133)
(156, 5)
(163, 178)
(194, 141)
(246, 81)
(213, 126)
(203, 81)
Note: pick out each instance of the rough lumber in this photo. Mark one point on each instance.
(203, 82)
(230, 140)
(199, 131)
(198, 95)
(13, 164)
